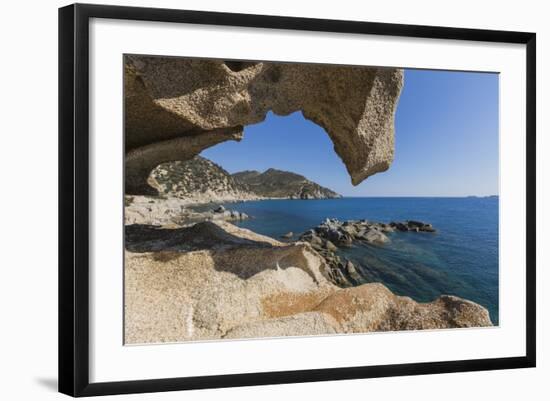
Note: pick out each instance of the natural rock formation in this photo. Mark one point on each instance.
(176, 107)
(140, 161)
(345, 233)
(172, 212)
(191, 279)
(214, 280)
(412, 225)
(372, 307)
(274, 183)
(332, 233)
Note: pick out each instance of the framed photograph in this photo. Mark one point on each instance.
(250, 199)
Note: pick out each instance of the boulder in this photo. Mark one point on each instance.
(373, 307)
(352, 272)
(374, 236)
(350, 229)
(328, 245)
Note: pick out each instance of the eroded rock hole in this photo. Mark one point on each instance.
(237, 66)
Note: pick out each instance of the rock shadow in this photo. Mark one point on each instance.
(230, 253)
(201, 236)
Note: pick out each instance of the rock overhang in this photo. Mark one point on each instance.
(176, 107)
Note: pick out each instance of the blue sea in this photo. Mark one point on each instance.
(460, 259)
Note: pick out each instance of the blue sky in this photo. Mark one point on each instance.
(446, 142)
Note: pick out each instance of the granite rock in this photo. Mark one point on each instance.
(176, 107)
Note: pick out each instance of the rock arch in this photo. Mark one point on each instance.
(176, 107)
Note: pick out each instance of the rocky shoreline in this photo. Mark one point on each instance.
(171, 211)
(192, 275)
(332, 234)
(262, 288)
(180, 259)
(325, 239)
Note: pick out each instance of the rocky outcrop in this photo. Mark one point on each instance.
(261, 287)
(373, 307)
(172, 212)
(412, 225)
(176, 107)
(190, 279)
(274, 183)
(343, 234)
(331, 234)
(140, 161)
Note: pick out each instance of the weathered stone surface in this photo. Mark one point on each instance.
(301, 324)
(215, 280)
(176, 107)
(175, 212)
(372, 307)
(195, 290)
(374, 236)
(141, 161)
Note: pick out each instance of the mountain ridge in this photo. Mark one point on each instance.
(202, 180)
(275, 183)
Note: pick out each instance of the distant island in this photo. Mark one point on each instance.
(202, 180)
(483, 196)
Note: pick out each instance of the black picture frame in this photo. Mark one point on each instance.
(74, 201)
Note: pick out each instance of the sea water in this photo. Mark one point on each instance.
(460, 259)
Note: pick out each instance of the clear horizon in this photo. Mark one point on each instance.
(446, 142)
